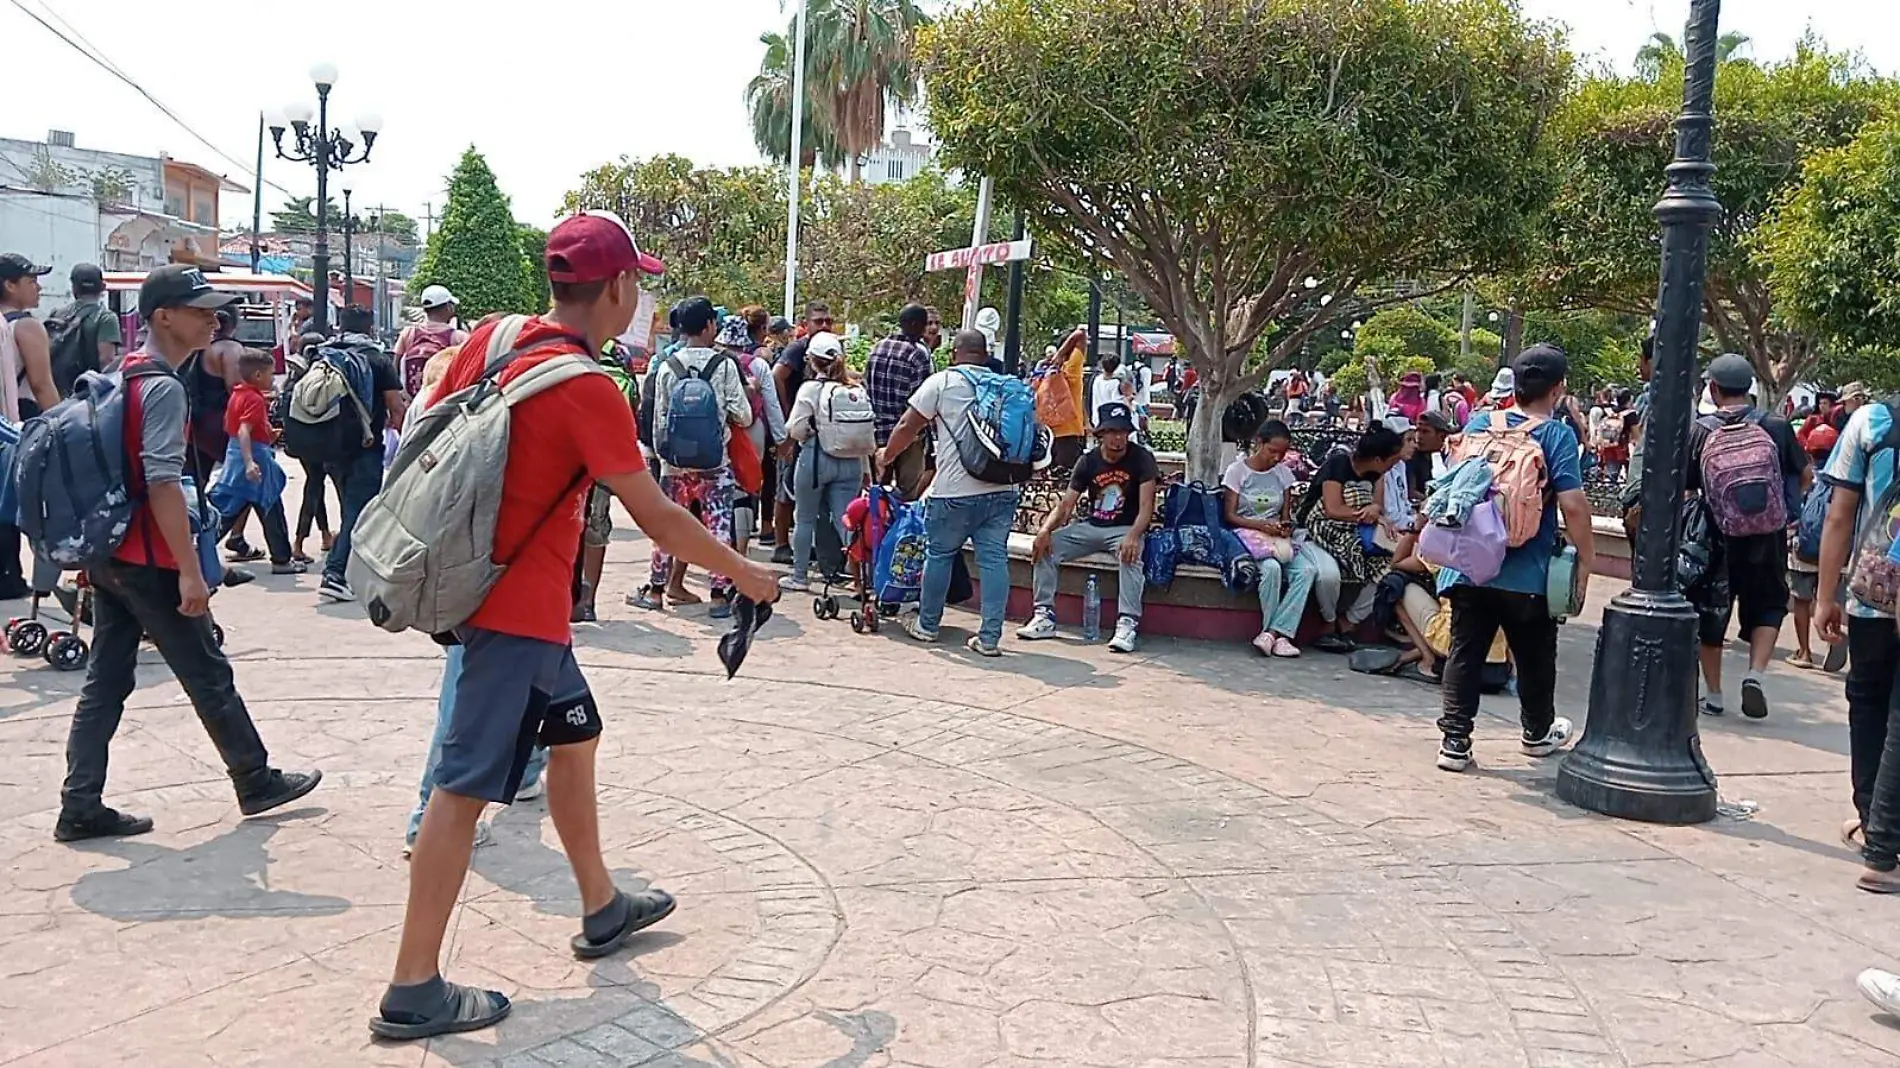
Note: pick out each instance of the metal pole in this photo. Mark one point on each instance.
(320, 258)
(349, 246)
(1013, 332)
(1095, 320)
(257, 198)
(1641, 757)
(1464, 330)
(979, 233)
(793, 176)
(382, 292)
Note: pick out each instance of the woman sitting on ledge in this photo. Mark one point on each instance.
(1254, 500)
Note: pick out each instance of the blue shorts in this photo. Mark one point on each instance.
(513, 692)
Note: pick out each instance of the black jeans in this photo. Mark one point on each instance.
(12, 578)
(313, 505)
(357, 480)
(1476, 614)
(128, 602)
(276, 530)
(1873, 733)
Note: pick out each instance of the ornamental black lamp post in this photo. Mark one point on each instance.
(327, 150)
(1640, 757)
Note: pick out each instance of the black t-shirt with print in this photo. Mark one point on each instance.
(1337, 467)
(1111, 491)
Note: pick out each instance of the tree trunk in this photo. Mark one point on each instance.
(1204, 443)
(857, 169)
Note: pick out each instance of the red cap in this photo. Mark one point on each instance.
(593, 247)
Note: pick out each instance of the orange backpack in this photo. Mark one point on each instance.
(1518, 472)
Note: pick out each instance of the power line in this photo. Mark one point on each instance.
(111, 68)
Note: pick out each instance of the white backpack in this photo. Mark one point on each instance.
(422, 553)
(847, 426)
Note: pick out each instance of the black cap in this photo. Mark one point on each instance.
(1731, 373)
(1114, 416)
(779, 325)
(694, 314)
(179, 285)
(13, 265)
(1539, 368)
(87, 279)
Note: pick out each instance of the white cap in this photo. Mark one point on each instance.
(825, 343)
(1504, 384)
(1398, 424)
(436, 296)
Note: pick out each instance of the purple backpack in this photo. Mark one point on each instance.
(1475, 550)
(1741, 477)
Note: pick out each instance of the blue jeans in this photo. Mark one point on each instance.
(808, 502)
(1281, 609)
(357, 480)
(984, 521)
(444, 709)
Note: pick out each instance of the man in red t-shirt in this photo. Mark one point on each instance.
(519, 682)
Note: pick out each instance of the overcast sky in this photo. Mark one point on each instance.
(550, 89)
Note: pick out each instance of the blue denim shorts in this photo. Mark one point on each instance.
(513, 692)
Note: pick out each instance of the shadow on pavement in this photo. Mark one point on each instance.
(226, 876)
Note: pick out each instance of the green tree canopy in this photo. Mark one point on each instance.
(1407, 331)
(1217, 154)
(858, 63)
(534, 255)
(1832, 251)
(1611, 143)
(476, 251)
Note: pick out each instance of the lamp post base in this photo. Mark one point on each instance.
(1640, 757)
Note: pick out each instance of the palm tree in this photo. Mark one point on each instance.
(1660, 48)
(859, 62)
(768, 98)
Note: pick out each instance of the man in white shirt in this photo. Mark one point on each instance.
(959, 507)
(712, 490)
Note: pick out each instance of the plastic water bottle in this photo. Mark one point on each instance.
(1092, 609)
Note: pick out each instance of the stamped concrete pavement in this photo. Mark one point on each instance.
(890, 854)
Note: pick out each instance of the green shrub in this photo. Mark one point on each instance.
(1409, 332)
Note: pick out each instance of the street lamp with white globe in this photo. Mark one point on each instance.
(327, 150)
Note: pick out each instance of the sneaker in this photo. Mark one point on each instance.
(1553, 739)
(531, 790)
(647, 599)
(915, 628)
(1041, 625)
(1880, 882)
(1264, 643)
(1284, 648)
(289, 567)
(282, 788)
(1754, 698)
(1454, 754)
(334, 591)
(1712, 708)
(1881, 988)
(483, 835)
(975, 645)
(1124, 639)
(105, 823)
(782, 555)
(794, 584)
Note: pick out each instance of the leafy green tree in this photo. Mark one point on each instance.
(768, 98)
(1832, 250)
(1217, 154)
(858, 64)
(476, 251)
(1407, 331)
(1661, 49)
(534, 254)
(295, 216)
(1611, 142)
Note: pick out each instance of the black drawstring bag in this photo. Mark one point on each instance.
(747, 617)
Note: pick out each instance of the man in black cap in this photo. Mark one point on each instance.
(1751, 472)
(153, 585)
(1515, 600)
(19, 295)
(85, 333)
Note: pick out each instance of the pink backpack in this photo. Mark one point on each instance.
(1518, 474)
(1741, 477)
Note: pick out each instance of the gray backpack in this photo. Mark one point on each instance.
(422, 553)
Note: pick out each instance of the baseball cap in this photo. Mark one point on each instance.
(1436, 421)
(1822, 439)
(1540, 367)
(13, 265)
(179, 285)
(1397, 423)
(693, 314)
(436, 296)
(88, 278)
(1114, 416)
(593, 247)
(824, 345)
(779, 325)
(1731, 373)
(1504, 384)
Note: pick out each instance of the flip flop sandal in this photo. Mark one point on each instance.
(1411, 673)
(465, 1009)
(684, 597)
(644, 909)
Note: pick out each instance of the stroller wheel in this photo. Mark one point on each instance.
(217, 635)
(831, 606)
(870, 620)
(67, 652)
(818, 607)
(857, 622)
(12, 623)
(28, 638)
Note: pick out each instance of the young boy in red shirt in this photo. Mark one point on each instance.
(250, 478)
(519, 682)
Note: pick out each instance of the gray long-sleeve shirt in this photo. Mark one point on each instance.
(162, 438)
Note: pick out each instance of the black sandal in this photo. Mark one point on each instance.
(466, 1008)
(644, 909)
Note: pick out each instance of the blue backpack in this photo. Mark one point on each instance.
(1000, 440)
(70, 471)
(1807, 539)
(694, 437)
